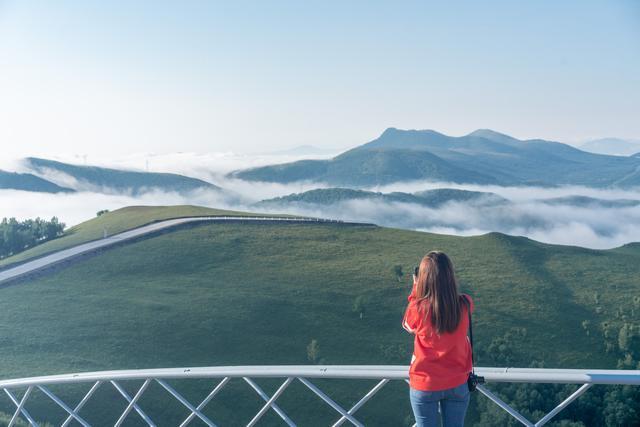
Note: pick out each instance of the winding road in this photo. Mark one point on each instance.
(50, 260)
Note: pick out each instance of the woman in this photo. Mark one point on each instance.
(441, 361)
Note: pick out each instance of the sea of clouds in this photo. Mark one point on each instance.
(526, 213)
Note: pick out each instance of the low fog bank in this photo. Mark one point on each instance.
(526, 213)
(516, 193)
(597, 228)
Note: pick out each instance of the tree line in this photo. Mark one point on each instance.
(16, 236)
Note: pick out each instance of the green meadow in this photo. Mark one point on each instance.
(114, 222)
(258, 294)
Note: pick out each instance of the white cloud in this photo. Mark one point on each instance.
(526, 214)
(598, 228)
(518, 193)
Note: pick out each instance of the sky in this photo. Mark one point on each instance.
(113, 78)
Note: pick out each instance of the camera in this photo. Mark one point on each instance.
(416, 271)
(473, 381)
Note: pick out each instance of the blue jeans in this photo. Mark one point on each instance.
(453, 403)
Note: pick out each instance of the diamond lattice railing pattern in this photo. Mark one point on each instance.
(21, 392)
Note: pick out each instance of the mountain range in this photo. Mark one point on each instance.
(481, 157)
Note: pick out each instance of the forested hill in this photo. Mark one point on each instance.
(431, 198)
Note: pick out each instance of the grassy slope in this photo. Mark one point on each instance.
(115, 222)
(231, 294)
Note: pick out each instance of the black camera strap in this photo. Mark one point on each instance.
(466, 302)
(473, 380)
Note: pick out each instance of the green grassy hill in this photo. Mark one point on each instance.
(115, 222)
(234, 294)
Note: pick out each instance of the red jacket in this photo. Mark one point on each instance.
(442, 361)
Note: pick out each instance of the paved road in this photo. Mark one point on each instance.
(66, 254)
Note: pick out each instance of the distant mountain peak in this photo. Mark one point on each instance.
(432, 135)
(391, 131)
(481, 157)
(406, 139)
(492, 135)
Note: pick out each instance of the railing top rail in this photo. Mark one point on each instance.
(398, 372)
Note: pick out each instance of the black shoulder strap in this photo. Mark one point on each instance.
(466, 302)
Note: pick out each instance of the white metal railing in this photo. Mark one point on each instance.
(304, 374)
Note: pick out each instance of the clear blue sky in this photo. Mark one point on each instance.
(123, 76)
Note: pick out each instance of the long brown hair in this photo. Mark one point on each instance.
(436, 283)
